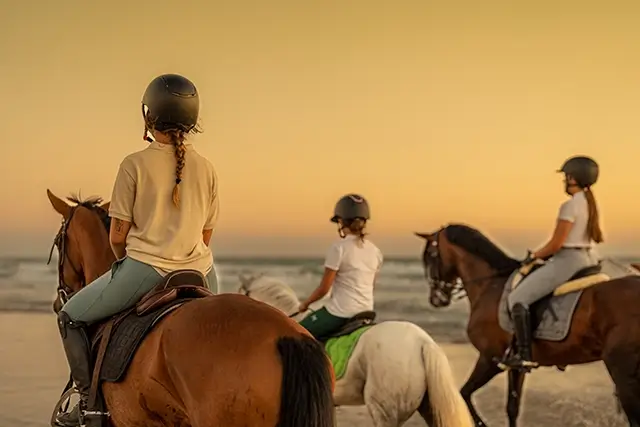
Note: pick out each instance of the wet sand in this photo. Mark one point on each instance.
(33, 372)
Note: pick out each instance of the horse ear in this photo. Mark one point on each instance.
(105, 206)
(245, 279)
(425, 236)
(59, 205)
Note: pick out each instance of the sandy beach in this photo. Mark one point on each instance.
(33, 372)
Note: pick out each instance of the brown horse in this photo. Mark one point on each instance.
(606, 324)
(224, 360)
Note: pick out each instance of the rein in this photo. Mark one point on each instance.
(64, 291)
(456, 290)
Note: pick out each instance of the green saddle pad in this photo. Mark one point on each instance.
(341, 348)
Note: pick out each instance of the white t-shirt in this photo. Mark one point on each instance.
(357, 264)
(162, 235)
(576, 210)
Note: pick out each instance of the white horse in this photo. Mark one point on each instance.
(395, 369)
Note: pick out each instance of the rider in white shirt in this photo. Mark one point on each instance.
(569, 251)
(351, 266)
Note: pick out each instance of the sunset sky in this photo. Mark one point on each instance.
(436, 111)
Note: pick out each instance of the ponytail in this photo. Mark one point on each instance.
(357, 227)
(593, 224)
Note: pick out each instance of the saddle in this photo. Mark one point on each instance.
(365, 318)
(593, 273)
(115, 340)
(582, 279)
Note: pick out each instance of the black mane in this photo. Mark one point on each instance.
(476, 243)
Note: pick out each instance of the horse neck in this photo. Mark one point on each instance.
(476, 274)
(95, 249)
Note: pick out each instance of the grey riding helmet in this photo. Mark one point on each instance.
(583, 169)
(350, 207)
(171, 102)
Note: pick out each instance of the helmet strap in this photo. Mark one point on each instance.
(146, 136)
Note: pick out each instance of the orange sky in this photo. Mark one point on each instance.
(435, 111)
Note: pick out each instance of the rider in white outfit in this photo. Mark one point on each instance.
(569, 250)
(351, 266)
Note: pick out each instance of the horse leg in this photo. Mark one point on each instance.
(623, 363)
(382, 404)
(484, 371)
(627, 385)
(391, 403)
(516, 381)
(629, 399)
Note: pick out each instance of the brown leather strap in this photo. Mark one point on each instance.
(95, 380)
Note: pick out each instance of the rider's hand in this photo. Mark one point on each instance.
(529, 258)
(303, 307)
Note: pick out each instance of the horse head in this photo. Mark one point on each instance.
(438, 260)
(270, 290)
(84, 252)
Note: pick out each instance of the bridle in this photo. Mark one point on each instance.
(440, 287)
(434, 275)
(64, 291)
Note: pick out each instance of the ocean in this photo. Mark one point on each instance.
(27, 285)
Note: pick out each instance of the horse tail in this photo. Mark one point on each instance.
(448, 409)
(307, 384)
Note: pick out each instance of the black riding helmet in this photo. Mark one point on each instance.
(350, 207)
(583, 169)
(171, 102)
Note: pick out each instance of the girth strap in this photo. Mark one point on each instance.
(95, 380)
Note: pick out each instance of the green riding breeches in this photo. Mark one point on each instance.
(321, 323)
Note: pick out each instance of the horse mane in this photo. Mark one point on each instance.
(92, 203)
(89, 203)
(476, 243)
(274, 292)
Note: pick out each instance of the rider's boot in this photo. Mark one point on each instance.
(524, 336)
(77, 349)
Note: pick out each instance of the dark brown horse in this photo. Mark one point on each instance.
(606, 325)
(224, 360)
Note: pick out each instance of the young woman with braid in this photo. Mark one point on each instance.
(164, 208)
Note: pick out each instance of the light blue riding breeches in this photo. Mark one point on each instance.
(556, 271)
(118, 289)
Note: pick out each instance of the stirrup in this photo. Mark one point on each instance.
(62, 407)
(512, 361)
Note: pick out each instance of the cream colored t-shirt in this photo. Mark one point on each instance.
(162, 235)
